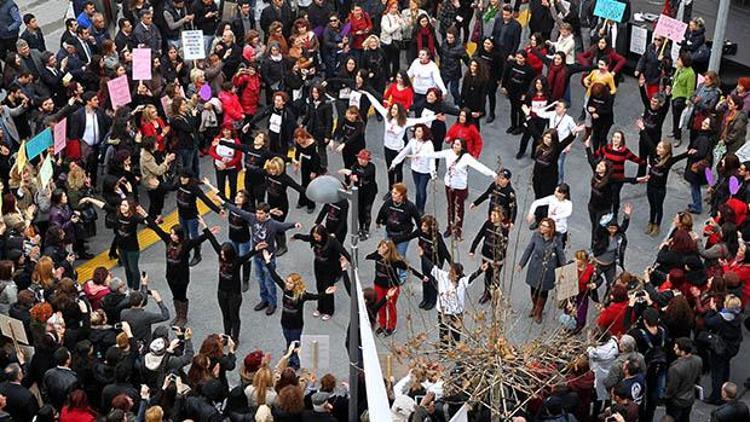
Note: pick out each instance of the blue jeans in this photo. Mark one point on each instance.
(561, 168)
(190, 226)
(452, 86)
(207, 40)
(695, 193)
(420, 182)
(402, 248)
(189, 160)
(241, 248)
(290, 336)
(265, 282)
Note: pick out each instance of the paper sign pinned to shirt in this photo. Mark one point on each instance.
(141, 64)
(39, 143)
(609, 9)
(119, 91)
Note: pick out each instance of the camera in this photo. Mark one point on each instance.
(118, 326)
(224, 339)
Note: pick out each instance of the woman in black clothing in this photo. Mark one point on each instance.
(184, 124)
(474, 91)
(654, 112)
(545, 162)
(178, 246)
(428, 233)
(307, 161)
(362, 175)
(490, 58)
(328, 254)
(728, 167)
(358, 82)
(239, 231)
(516, 81)
(434, 104)
(293, 302)
(188, 192)
(256, 156)
(373, 61)
(661, 161)
(494, 231)
(342, 83)
(537, 98)
(281, 122)
(695, 169)
(318, 121)
(501, 194)
(336, 215)
(602, 115)
(277, 181)
(350, 132)
(229, 292)
(125, 228)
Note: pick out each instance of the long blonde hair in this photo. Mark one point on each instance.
(262, 381)
(391, 255)
(76, 177)
(274, 166)
(298, 283)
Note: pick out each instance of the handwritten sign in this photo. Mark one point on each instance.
(13, 329)
(119, 91)
(166, 104)
(192, 45)
(671, 28)
(567, 282)
(142, 64)
(21, 159)
(638, 39)
(609, 9)
(39, 143)
(46, 172)
(674, 52)
(60, 135)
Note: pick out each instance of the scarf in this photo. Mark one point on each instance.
(556, 76)
(421, 35)
(489, 14)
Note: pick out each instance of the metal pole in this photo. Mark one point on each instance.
(721, 26)
(354, 353)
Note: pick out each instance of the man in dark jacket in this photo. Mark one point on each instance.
(139, 319)
(60, 380)
(732, 409)
(206, 19)
(541, 20)
(280, 11)
(33, 33)
(124, 37)
(683, 373)
(243, 21)
(176, 19)
(146, 34)
(90, 125)
(451, 55)
(318, 13)
(726, 324)
(20, 403)
(506, 33)
(10, 25)
(116, 300)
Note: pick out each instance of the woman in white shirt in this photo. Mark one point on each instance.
(424, 74)
(396, 124)
(422, 169)
(391, 36)
(457, 160)
(557, 206)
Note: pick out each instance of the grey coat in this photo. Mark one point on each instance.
(543, 256)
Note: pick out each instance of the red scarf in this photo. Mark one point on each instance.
(426, 32)
(556, 78)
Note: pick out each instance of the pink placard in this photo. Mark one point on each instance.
(165, 102)
(141, 64)
(119, 91)
(671, 28)
(60, 135)
(700, 78)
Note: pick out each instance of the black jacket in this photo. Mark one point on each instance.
(20, 403)
(77, 124)
(451, 57)
(507, 36)
(56, 385)
(731, 411)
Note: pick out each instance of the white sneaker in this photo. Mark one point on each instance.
(326, 317)
(316, 314)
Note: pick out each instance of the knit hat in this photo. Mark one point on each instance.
(319, 400)
(157, 350)
(505, 173)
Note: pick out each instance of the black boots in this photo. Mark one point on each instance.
(197, 258)
(181, 311)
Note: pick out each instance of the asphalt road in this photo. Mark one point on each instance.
(262, 332)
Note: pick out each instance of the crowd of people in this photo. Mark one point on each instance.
(293, 85)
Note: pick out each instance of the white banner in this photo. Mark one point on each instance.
(377, 398)
(638, 39)
(192, 45)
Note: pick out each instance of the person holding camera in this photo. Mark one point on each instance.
(164, 358)
(141, 320)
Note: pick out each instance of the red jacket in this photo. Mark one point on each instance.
(613, 318)
(535, 62)
(234, 155)
(470, 134)
(230, 104)
(362, 24)
(393, 95)
(77, 415)
(250, 94)
(743, 272)
(616, 61)
(584, 277)
(149, 129)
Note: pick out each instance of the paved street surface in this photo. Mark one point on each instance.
(262, 332)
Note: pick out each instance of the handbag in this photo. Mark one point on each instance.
(712, 342)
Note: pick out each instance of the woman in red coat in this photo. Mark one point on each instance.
(612, 317)
(77, 408)
(230, 105)
(536, 44)
(227, 161)
(361, 27)
(585, 279)
(463, 129)
(153, 126)
(399, 92)
(248, 83)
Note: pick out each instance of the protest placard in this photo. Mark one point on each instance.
(567, 282)
(638, 39)
(192, 45)
(119, 91)
(609, 9)
(46, 172)
(39, 143)
(142, 64)
(60, 135)
(671, 28)
(13, 329)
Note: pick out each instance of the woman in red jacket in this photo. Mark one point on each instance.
(77, 408)
(153, 126)
(585, 281)
(536, 44)
(361, 28)
(230, 105)
(740, 265)
(227, 161)
(248, 83)
(612, 317)
(399, 92)
(463, 129)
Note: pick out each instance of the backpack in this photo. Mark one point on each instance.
(654, 355)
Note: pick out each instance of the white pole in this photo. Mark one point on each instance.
(721, 26)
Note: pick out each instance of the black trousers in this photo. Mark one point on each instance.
(230, 303)
(532, 130)
(678, 105)
(616, 189)
(429, 288)
(656, 197)
(397, 174)
(392, 58)
(156, 201)
(224, 176)
(599, 133)
(516, 112)
(364, 214)
(179, 289)
(256, 188)
(325, 277)
(492, 96)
